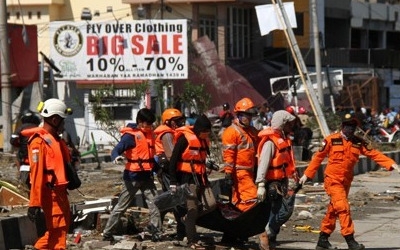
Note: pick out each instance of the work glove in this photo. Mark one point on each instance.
(33, 213)
(261, 192)
(303, 179)
(228, 180)
(172, 189)
(395, 167)
(118, 160)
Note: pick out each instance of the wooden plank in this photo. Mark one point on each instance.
(11, 198)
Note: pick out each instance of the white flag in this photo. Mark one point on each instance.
(270, 17)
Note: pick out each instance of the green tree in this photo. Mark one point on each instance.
(195, 96)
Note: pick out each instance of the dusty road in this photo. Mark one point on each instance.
(375, 209)
(374, 201)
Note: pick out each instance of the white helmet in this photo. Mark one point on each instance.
(54, 107)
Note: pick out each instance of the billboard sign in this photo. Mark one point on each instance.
(120, 50)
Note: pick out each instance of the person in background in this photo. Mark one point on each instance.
(302, 135)
(268, 114)
(48, 155)
(137, 143)
(164, 144)
(188, 166)
(389, 117)
(360, 115)
(29, 120)
(75, 154)
(303, 115)
(276, 166)
(226, 117)
(343, 150)
(260, 120)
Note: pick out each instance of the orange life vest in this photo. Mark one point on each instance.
(282, 164)
(194, 156)
(57, 155)
(141, 157)
(160, 131)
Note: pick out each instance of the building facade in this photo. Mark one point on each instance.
(356, 36)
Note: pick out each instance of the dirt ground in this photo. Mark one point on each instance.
(302, 226)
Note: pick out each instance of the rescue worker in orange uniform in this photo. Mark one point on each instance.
(137, 143)
(343, 150)
(276, 165)
(48, 155)
(171, 119)
(188, 166)
(239, 144)
(165, 133)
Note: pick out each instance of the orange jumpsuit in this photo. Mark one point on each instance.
(343, 155)
(239, 154)
(47, 156)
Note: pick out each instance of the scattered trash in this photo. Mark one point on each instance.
(306, 229)
(78, 238)
(300, 199)
(392, 191)
(303, 215)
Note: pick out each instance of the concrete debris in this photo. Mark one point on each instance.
(304, 215)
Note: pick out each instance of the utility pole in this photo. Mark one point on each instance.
(5, 78)
(317, 51)
(301, 67)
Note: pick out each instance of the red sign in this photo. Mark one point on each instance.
(24, 68)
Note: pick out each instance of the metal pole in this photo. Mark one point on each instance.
(5, 79)
(301, 67)
(317, 51)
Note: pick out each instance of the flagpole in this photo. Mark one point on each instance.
(301, 67)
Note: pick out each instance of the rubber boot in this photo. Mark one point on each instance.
(323, 242)
(264, 242)
(352, 243)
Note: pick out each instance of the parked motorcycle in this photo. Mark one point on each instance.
(390, 135)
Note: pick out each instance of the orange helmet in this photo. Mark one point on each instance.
(168, 114)
(245, 105)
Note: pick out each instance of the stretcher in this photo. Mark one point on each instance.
(227, 219)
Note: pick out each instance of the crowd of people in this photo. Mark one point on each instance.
(381, 125)
(258, 163)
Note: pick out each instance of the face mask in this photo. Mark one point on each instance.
(245, 120)
(348, 130)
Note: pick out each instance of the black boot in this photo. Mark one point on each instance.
(352, 243)
(272, 241)
(323, 242)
